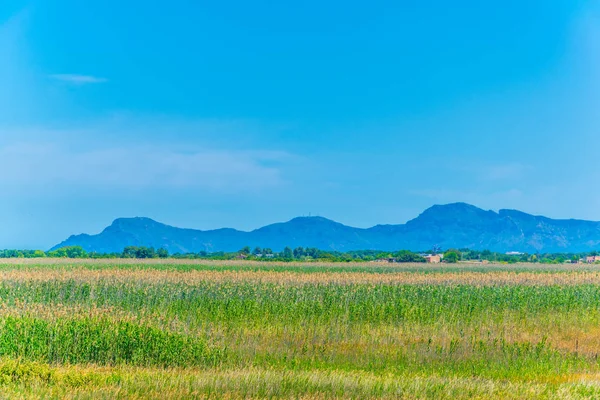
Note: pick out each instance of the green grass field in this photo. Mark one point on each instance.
(117, 329)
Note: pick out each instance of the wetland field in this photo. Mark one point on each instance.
(244, 330)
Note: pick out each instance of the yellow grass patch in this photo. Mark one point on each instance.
(494, 278)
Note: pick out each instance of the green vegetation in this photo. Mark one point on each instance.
(452, 256)
(98, 341)
(306, 255)
(181, 329)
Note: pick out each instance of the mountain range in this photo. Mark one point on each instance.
(456, 225)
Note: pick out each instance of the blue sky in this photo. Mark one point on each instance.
(211, 114)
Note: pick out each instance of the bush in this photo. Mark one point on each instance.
(100, 341)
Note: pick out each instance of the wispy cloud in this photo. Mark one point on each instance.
(140, 167)
(510, 171)
(76, 79)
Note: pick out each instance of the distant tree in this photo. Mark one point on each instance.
(145, 252)
(58, 253)
(405, 256)
(162, 253)
(299, 252)
(487, 255)
(38, 254)
(129, 252)
(257, 251)
(11, 254)
(245, 250)
(76, 252)
(325, 256)
(138, 252)
(287, 253)
(69, 252)
(451, 256)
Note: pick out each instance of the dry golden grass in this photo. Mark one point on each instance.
(296, 265)
(492, 278)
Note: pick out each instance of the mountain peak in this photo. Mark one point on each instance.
(136, 220)
(303, 224)
(455, 225)
(134, 223)
(311, 220)
(454, 212)
(460, 206)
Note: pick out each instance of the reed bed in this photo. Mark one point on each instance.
(113, 329)
(23, 379)
(274, 266)
(471, 278)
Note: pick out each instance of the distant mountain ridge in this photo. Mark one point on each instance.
(457, 225)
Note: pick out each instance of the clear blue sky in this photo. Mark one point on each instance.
(237, 113)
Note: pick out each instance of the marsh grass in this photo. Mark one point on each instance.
(102, 342)
(25, 379)
(234, 330)
(47, 264)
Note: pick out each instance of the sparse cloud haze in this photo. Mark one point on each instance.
(78, 79)
(138, 167)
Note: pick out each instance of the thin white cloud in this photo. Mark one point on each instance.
(511, 171)
(78, 79)
(140, 167)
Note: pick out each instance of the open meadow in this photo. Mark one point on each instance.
(237, 330)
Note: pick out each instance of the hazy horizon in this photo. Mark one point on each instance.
(251, 229)
(241, 115)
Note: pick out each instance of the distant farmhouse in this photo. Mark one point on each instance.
(433, 258)
(592, 259)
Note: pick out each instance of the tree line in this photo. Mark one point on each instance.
(306, 254)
